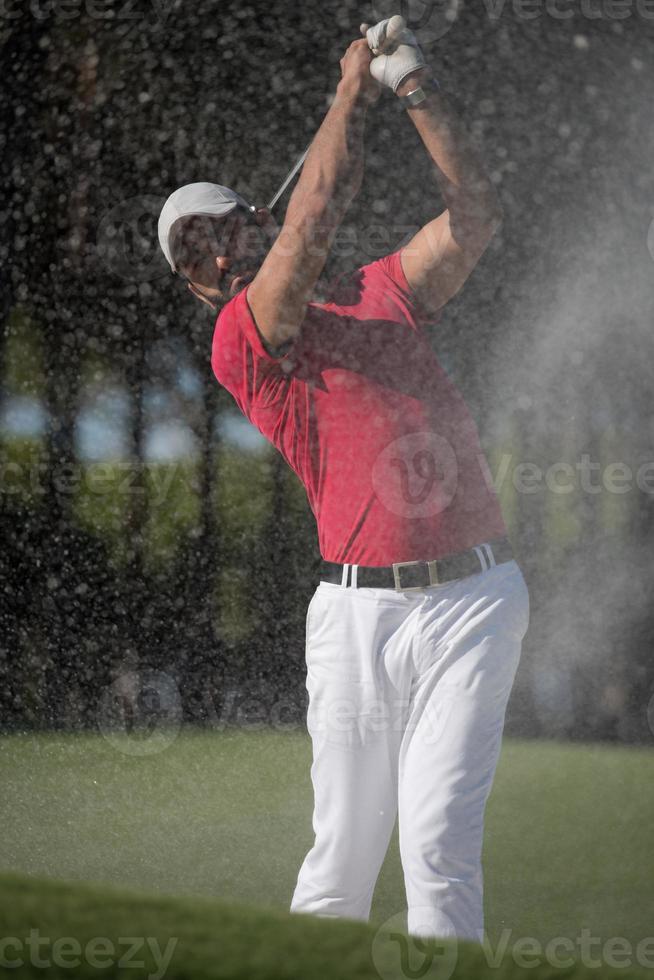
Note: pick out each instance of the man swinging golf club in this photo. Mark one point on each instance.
(414, 631)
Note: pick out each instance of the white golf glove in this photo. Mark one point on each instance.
(390, 69)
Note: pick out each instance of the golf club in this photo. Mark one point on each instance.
(388, 44)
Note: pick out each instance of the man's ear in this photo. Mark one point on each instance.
(199, 296)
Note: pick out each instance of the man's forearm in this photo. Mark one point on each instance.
(333, 170)
(467, 191)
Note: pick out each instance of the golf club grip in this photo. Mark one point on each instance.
(393, 32)
(394, 28)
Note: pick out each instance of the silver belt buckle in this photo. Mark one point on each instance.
(433, 575)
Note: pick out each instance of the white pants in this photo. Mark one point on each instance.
(407, 697)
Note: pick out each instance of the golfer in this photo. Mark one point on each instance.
(414, 632)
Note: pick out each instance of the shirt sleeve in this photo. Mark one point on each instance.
(249, 368)
(390, 268)
(258, 343)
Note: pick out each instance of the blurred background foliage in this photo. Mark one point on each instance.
(145, 524)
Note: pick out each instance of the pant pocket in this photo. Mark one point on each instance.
(513, 589)
(338, 714)
(308, 622)
(343, 679)
(523, 604)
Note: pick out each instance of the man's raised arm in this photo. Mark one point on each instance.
(441, 256)
(439, 259)
(330, 179)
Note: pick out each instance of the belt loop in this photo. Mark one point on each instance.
(491, 556)
(344, 577)
(481, 557)
(355, 571)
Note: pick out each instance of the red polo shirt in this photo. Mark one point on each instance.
(361, 409)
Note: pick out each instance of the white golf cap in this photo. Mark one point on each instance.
(202, 198)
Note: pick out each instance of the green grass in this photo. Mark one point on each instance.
(194, 938)
(227, 814)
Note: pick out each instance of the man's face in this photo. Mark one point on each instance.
(220, 256)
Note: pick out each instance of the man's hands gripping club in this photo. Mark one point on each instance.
(356, 72)
(441, 256)
(330, 179)
(396, 50)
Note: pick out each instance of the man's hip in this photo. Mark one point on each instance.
(408, 576)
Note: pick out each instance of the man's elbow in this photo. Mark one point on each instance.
(488, 215)
(493, 218)
(478, 212)
(473, 231)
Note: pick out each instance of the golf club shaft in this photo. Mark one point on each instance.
(296, 167)
(395, 27)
